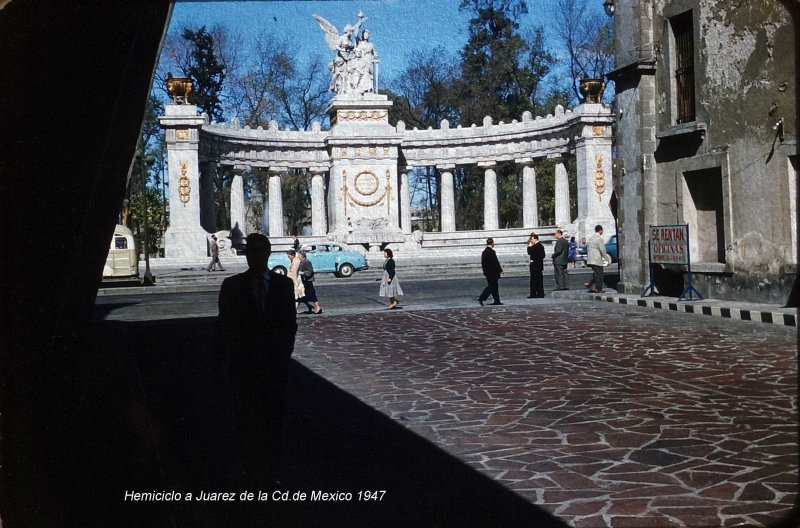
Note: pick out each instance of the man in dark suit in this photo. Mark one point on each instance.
(560, 253)
(492, 271)
(256, 329)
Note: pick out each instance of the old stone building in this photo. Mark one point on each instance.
(706, 128)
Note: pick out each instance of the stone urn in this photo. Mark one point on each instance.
(592, 90)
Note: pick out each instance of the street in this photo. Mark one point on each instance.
(337, 296)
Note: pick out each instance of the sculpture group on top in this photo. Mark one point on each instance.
(353, 68)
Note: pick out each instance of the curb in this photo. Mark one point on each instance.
(715, 308)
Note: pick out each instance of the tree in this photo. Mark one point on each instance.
(423, 96)
(588, 38)
(209, 58)
(206, 71)
(501, 74)
(303, 96)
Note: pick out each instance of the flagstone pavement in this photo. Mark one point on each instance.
(602, 414)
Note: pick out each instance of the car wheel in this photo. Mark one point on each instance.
(346, 270)
(280, 270)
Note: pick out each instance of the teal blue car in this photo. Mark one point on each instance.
(326, 257)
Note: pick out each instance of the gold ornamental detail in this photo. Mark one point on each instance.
(599, 177)
(598, 130)
(182, 134)
(184, 189)
(363, 115)
(179, 88)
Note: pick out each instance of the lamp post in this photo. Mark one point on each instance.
(149, 280)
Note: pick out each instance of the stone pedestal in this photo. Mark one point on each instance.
(185, 238)
(363, 192)
(595, 182)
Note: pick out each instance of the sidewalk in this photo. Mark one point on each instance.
(741, 311)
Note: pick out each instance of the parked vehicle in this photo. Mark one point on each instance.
(612, 249)
(122, 261)
(326, 257)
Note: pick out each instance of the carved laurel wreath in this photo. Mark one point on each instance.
(599, 177)
(184, 190)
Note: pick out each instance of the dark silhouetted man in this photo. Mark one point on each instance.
(492, 271)
(256, 328)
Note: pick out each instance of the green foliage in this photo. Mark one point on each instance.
(206, 71)
(492, 67)
(296, 191)
(546, 188)
(501, 76)
(155, 219)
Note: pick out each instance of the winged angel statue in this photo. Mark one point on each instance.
(353, 68)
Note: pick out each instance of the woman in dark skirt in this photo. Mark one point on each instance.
(306, 272)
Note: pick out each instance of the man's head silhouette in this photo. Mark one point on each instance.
(258, 250)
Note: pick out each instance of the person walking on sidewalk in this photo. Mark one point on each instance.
(214, 255)
(560, 252)
(390, 285)
(306, 272)
(536, 256)
(294, 274)
(572, 253)
(597, 257)
(492, 271)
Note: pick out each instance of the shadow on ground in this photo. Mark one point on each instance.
(139, 422)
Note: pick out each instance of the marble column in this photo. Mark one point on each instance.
(562, 196)
(208, 217)
(405, 202)
(237, 202)
(319, 222)
(448, 204)
(275, 203)
(530, 201)
(491, 216)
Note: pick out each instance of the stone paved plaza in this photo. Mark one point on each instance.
(605, 415)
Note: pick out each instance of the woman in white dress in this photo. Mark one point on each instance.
(390, 285)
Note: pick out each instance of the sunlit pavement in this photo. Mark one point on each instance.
(603, 414)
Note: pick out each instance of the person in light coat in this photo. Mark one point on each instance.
(596, 259)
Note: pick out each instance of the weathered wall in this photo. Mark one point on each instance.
(745, 84)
